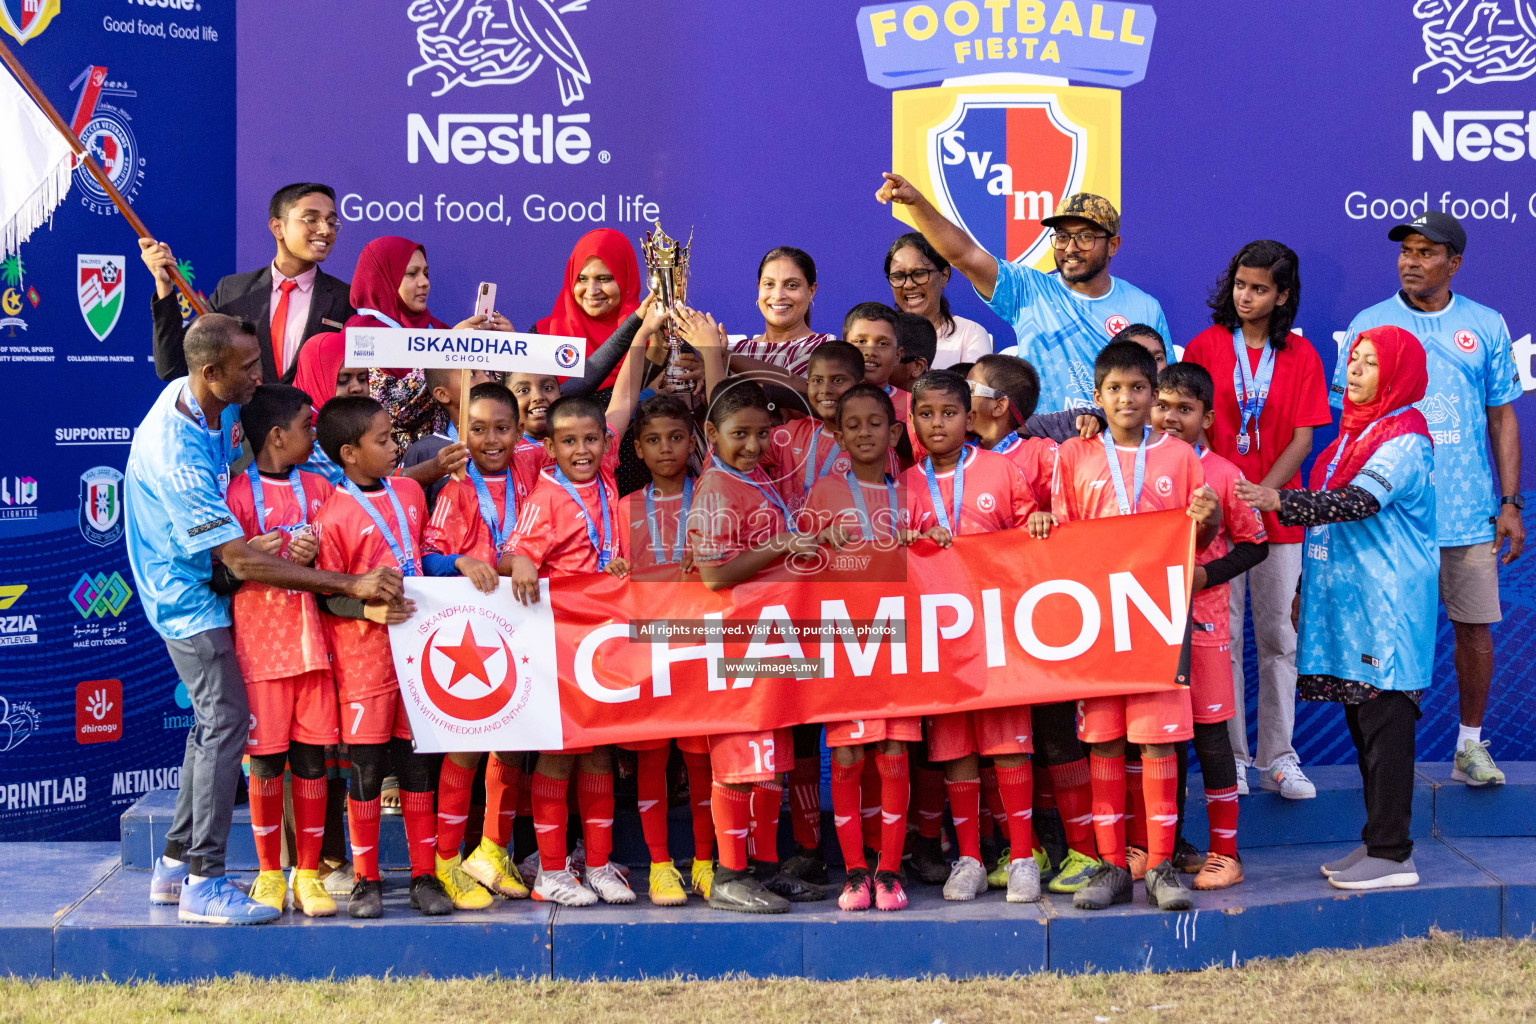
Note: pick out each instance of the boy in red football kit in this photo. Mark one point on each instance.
(1185, 393)
(370, 521)
(281, 648)
(872, 328)
(1104, 477)
(570, 526)
(535, 393)
(960, 490)
(861, 505)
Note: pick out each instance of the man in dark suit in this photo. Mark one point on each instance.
(303, 223)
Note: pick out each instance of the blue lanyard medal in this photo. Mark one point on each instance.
(653, 524)
(1252, 391)
(258, 498)
(215, 444)
(866, 524)
(1127, 502)
(937, 499)
(810, 461)
(767, 492)
(502, 529)
(1008, 444)
(605, 548)
(405, 558)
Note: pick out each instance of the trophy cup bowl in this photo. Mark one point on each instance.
(666, 260)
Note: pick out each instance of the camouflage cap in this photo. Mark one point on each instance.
(1089, 207)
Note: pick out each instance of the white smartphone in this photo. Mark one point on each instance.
(485, 298)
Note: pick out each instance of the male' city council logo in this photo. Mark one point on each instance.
(1486, 41)
(481, 678)
(497, 42)
(101, 281)
(101, 505)
(26, 19)
(100, 595)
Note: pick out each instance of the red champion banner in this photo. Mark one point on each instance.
(1100, 608)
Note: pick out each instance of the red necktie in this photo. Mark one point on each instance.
(280, 323)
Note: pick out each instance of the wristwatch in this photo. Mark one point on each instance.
(1517, 500)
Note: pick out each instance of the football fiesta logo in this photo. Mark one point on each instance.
(26, 19)
(101, 280)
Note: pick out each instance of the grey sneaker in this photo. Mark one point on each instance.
(1242, 776)
(1474, 766)
(1345, 862)
(1285, 777)
(339, 880)
(562, 887)
(609, 884)
(967, 880)
(1023, 881)
(1165, 890)
(1109, 885)
(1375, 873)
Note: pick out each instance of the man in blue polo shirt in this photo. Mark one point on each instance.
(1061, 320)
(178, 522)
(1472, 385)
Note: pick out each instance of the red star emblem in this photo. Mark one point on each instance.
(468, 658)
(410, 659)
(525, 659)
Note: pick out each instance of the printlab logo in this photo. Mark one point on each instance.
(26, 19)
(1488, 41)
(470, 681)
(100, 595)
(101, 284)
(18, 498)
(99, 711)
(108, 136)
(485, 42)
(101, 505)
(11, 271)
(17, 722)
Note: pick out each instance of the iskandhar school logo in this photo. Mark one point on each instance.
(496, 42)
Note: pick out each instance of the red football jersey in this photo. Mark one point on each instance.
(902, 400)
(731, 515)
(1240, 524)
(1081, 487)
(654, 560)
(350, 542)
(552, 529)
(458, 527)
(996, 495)
(1036, 459)
(529, 458)
(797, 447)
(831, 501)
(277, 632)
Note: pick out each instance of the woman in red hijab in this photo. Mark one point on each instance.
(390, 289)
(1370, 588)
(602, 289)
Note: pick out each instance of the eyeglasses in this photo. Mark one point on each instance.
(918, 276)
(980, 390)
(1084, 239)
(314, 220)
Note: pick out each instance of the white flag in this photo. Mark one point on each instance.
(35, 166)
(477, 672)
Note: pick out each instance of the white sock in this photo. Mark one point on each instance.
(171, 862)
(196, 879)
(1467, 732)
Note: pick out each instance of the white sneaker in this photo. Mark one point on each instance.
(609, 883)
(967, 880)
(1023, 881)
(561, 887)
(1285, 777)
(1242, 776)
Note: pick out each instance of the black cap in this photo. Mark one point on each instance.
(1436, 226)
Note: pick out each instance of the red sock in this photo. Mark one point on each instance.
(1161, 780)
(995, 819)
(869, 804)
(1108, 780)
(964, 811)
(420, 830)
(767, 802)
(699, 804)
(363, 829)
(1221, 809)
(845, 813)
(267, 821)
(453, 787)
(549, 817)
(524, 793)
(928, 796)
(805, 802)
(1045, 792)
(501, 785)
(1016, 787)
(732, 810)
(894, 787)
(309, 800)
(595, 793)
(1135, 806)
(1074, 797)
(651, 787)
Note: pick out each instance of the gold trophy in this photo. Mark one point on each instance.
(667, 261)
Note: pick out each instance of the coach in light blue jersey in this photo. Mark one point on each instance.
(1061, 320)
(1468, 405)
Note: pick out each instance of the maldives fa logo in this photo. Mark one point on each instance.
(11, 270)
(468, 680)
(996, 160)
(108, 136)
(1477, 42)
(26, 19)
(497, 42)
(101, 281)
(101, 505)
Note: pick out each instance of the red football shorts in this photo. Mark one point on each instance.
(989, 732)
(1210, 683)
(693, 744)
(645, 745)
(874, 730)
(1162, 717)
(742, 757)
(375, 719)
(301, 708)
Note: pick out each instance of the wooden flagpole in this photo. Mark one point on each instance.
(95, 168)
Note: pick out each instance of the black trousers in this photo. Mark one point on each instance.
(1383, 730)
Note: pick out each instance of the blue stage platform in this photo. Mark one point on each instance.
(1476, 856)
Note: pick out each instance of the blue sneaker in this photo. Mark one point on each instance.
(217, 901)
(165, 884)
